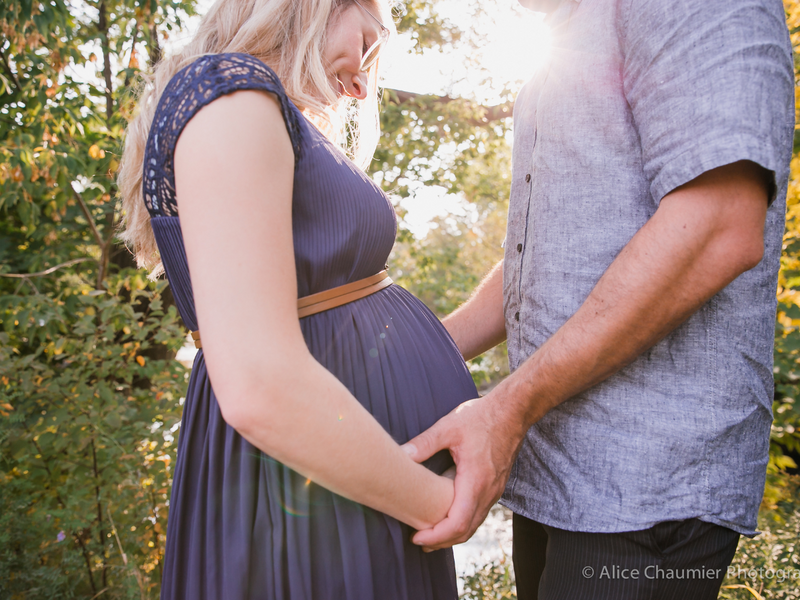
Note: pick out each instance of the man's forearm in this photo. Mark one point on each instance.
(701, 238)
(479, 324)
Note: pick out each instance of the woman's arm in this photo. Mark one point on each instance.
(234, 169)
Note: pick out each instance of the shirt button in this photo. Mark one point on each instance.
(528, 178)
(516, 316)
(519, 247)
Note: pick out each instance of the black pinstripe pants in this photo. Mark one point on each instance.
(681, 560)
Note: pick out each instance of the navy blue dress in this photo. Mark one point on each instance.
(241, 524)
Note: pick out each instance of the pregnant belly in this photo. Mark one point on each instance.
(396, 358)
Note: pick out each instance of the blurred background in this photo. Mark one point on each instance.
(94, 359)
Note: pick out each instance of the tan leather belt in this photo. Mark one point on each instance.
(317, 303)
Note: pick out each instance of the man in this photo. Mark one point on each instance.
(637, 295)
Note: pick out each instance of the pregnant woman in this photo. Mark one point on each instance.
(290, 483)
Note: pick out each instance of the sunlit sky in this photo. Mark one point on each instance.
(516, 43)
(512, 43)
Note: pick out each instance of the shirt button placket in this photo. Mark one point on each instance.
(519, 251)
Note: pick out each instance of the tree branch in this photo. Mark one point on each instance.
(101, 533)
(105, 245)
(492, 113)
(8, 70)
(133, 52)
(102, 25)
(106, 249)
(154, 48)
(23, 281)
(136, 573)
(97, 237)
(74, 261)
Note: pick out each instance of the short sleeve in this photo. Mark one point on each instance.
(192, 88)
(709, 83)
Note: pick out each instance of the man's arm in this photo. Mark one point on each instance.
(703, 235)
(479, 323)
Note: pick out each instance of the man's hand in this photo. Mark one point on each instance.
(484, 442)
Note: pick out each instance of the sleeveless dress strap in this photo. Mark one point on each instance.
(192, 88)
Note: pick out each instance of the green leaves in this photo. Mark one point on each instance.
(89, 388)
(87, 427)
(770, 563)
(427, 28)
(494, 581)
(785, 439)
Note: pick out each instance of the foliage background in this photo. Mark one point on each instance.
(90, 393)
(89, 385)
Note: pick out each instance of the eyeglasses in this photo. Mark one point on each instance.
(370, 57)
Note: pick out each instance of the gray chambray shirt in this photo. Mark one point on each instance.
(637, 98)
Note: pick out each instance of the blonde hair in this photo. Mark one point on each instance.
(288, 36)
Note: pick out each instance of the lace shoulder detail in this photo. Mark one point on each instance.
(192, 88)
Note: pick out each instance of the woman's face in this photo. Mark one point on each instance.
(350, 33)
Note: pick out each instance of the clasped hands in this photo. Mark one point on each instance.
(484, 442)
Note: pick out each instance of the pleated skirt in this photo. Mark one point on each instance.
(244, 526)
